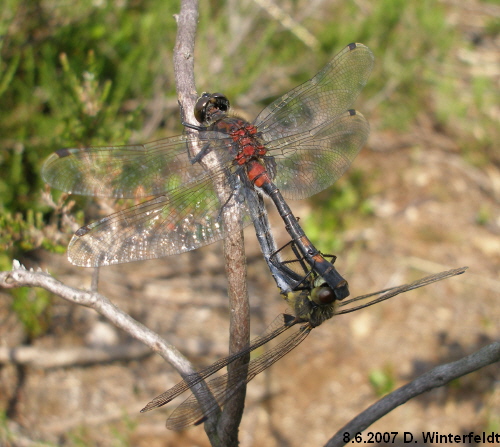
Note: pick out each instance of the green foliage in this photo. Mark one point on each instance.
(6, 435)
(25, 233)
(493, 27)
(73, 74)
(484, 215)
(493, 422)
(9, 437)
(70, 74)
(82, 74)
(32, 307)
(410, 41)
(79, 437)
(118, 434)
(382, 381)
(122, 433)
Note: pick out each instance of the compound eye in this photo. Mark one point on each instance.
(208, 104)
(325, 295)
(200, 109)
(220, 102)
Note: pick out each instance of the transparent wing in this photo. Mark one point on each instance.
(280, 324)
(329, 93)
(184, 219)
(132, 171)
(309, 162)
(220, 389)
(393, 291)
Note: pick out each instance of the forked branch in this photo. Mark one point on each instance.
(20, 277)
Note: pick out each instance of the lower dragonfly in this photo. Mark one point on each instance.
(312, 303)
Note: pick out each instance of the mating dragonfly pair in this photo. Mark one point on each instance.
(312, 303)
(297, 146)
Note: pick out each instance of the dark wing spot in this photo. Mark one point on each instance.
(63, 152)
(82, 231)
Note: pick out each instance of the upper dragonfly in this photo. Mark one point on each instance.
(297, 146)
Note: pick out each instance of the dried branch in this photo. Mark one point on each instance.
(187, 21)
(20, 277)
(227, 431)
(76, 355)
(234, 251)
(239, 329)
(436, 377)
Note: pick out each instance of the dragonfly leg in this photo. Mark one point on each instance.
(194, 127)
(204, 151)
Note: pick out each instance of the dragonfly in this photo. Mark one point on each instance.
(312, 303)
(297, 146)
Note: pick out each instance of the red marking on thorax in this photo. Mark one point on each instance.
(249, 147)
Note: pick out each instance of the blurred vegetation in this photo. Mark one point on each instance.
(118, 434)
(99, 73)
(32, 307)
(71, 74)
(382, 381)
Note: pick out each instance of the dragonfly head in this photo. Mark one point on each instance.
(210, 107)
(314, 305)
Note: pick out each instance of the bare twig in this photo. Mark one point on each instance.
(187, 21)
(234, 252)
(76, 355)
(20, 277)
(434, 378)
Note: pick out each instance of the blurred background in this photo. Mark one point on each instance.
(423, 196)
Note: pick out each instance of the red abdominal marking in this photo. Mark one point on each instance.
(318, 258)
(257, 174)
